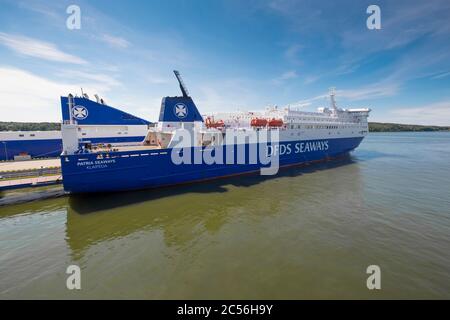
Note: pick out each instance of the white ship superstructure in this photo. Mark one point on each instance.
(327, 122)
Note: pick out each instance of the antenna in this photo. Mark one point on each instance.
(183, 88)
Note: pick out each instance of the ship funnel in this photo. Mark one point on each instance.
(179, 109)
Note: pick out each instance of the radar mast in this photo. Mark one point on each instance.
(332, 99)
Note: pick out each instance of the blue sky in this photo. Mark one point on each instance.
(234, 55)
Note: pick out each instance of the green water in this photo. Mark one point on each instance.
(310, 232)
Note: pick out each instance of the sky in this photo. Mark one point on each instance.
(232, 54)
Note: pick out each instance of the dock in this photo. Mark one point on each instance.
(13, 166)
(30, 173)
(30, 182)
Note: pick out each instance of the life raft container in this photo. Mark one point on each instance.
(210, 123)
(258, 122)
(275, 123)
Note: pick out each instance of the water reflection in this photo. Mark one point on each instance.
(185, 212)
(89, 203)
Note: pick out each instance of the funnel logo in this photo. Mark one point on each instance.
(180, 110)
(79, 112)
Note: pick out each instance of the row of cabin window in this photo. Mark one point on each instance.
(299, 134)
(319, 127)
(320, 119)
(310, 119)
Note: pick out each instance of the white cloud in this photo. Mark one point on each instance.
(28, 97)
(288, 75)
(369, 92)
(441, 75)
(308, 102)
(105, 81)
(226, 95)
(432, 114)
(116, 42)
(377, 90)
(311, 79)
(292, 52)
(155, 79)
(38, 49)
(147, 108)
(422, 23)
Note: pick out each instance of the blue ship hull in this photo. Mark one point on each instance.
(34, 148)
(119, 171)
(49, 148)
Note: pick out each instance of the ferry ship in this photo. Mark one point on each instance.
(97, 123)
(185, 146)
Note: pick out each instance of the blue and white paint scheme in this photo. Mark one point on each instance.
(97, 123)
(303, 137)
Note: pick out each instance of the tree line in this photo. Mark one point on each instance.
(397, 127)
(29, 126)
(373, 127)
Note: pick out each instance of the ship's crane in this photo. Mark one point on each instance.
(183, 88)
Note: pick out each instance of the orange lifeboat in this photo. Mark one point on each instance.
(258, 122)
(210, 123)
(275, 123)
